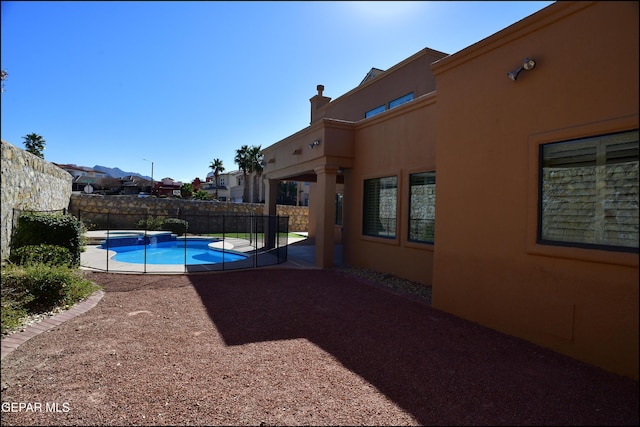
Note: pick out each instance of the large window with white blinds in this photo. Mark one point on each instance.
(589, 192)
(379, 207)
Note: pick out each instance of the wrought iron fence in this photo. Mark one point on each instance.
(184, 243)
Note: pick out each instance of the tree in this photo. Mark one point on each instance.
(242, 160)
(4, 76)
(216, 166)
(34, 144)
(255, 165)
(186, 190)
(287, 191)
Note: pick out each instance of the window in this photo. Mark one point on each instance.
(375, 111)
(422, 207)
(379, 208)
(589, 192)
(408, 97)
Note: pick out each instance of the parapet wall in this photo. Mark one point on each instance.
(122, 212)
(29, 183)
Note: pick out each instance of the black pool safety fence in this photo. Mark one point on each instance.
(185, 243)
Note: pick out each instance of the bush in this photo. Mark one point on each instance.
(13, 307)
(42, 254)
(39, 288)
(150, 223)
(51, 229)
(175, 225)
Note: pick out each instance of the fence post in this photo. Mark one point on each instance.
(223, 238)
(108, 231)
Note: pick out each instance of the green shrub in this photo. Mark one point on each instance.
(13, 307)
(42, 254)
(88, 225)
(201, 195)
(52, 229)
(38, 288)
(175, 225)
(150, 223)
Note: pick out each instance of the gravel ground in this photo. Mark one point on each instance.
(375, 278)
(401, 286)
(293, 347)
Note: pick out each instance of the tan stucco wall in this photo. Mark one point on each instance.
(398, 142)
(480, 131)
(488, 266)
(397, 81)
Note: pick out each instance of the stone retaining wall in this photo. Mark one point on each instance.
(123, 212)
(29, 183)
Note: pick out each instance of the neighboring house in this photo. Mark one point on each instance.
(210, 188)
(230, 186)
(509, 186)
(84, 179)
(134, 185)
(167, 187)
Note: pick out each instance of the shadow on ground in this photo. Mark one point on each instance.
(441, 369)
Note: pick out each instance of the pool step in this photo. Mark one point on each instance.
(239, 245)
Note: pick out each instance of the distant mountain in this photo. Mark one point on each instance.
(117, 172)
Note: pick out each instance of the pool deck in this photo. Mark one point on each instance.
(94, 258)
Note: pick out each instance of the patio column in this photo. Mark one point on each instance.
(325, 208)
(270, 205)
(313, 197)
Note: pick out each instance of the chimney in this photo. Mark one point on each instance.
(317, 102)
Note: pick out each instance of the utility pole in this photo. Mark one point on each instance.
(152, 181)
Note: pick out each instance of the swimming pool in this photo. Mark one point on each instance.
(197, 251)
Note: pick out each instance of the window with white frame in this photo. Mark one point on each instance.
(588, 192)
(379, 207)
(422, 207)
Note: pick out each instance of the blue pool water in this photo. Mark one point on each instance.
(173, 252)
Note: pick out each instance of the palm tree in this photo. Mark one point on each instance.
(4, 76)
(255, 165)
(34, 144)
(216, 166)
(242, 160)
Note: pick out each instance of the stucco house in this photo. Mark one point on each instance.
(504, 175)
(84, 178)
(230, 186)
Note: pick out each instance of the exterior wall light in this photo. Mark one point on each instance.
(314, 144)
(527, 65)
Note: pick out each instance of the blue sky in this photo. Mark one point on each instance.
(182, 83)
